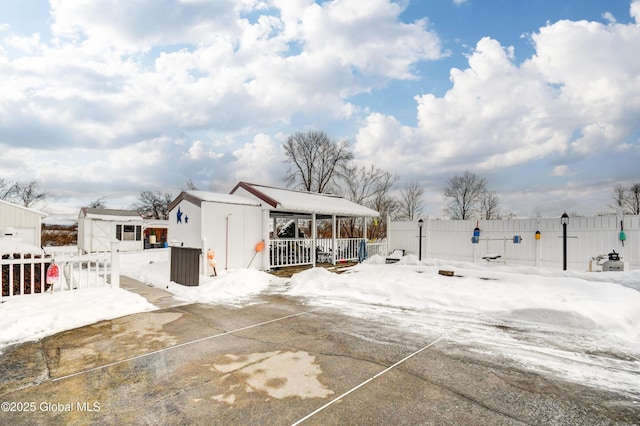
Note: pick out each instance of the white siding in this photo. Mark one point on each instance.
(187, 232)
(233, 242)
(27, 222)
(230, 230)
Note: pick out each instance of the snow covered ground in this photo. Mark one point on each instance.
(578, 325)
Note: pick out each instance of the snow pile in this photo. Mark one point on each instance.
(557, 301)
(11, 244)
(231, 287)
(32, 317)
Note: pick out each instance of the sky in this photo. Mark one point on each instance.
(110, 98)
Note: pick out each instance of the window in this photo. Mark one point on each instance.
(129, 232)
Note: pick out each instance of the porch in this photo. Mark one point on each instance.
(285, 252)
(303, 228)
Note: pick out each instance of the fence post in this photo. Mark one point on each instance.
(115, 264)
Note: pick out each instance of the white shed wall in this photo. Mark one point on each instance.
(187, 232)
(233, 242)
(230, 230)
(96, 235)
(28, 223)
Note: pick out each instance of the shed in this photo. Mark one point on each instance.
(229, 225)
(22, 222)
(97, 228)
(232, 225)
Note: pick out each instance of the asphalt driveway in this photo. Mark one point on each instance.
(279, 361)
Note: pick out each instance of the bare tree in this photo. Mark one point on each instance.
(7, 189)
(633, 199)
(619, 197)
(368, 187)
(627, 198)
(29, 194)
(387, 206)
(410, 205)
(191, 186)
(100, 203)
(153, 205)
(489, 206)
(315, 161)
(466, 192)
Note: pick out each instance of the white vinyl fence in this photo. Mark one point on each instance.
(588, 238)
(26, 274)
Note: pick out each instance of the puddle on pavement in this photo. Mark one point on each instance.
(132, 335)
(278, 374)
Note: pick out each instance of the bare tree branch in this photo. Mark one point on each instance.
(315, 161)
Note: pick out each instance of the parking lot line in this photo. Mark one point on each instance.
(183, 344)
(308, 416)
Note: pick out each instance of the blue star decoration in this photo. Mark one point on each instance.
(179, 216)
(186, 219)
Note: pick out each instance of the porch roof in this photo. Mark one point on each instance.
(286, 202)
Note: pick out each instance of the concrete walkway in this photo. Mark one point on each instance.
(278, 362)
(156, 296)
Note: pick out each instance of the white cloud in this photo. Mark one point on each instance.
(258, 161)
(115, 76)
(576, 99)
(561, 170)
(369, 38)
(140, 25)
(634, 10)
(200, 151)
(608, 16)
(495, 115)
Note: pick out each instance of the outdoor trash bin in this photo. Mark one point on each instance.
(185, 265)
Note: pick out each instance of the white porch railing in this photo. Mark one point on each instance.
(297, 251)
(26, 274)
(290, 252)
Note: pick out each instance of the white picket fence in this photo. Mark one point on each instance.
(588, 238)
(26, 274)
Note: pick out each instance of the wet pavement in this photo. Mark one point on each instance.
(279, 361)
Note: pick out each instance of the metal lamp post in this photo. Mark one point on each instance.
(564, 220)
(420, 225)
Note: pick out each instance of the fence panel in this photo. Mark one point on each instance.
(588, 237)
(25, 274)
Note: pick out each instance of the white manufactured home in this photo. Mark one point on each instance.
(242, 228)
(23, 223)
(98, 228)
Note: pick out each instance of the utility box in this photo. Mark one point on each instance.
(185, 266)
(614, 263)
